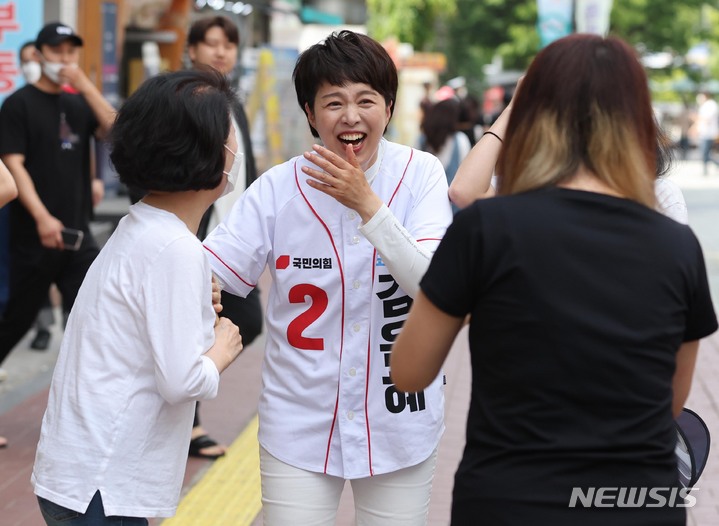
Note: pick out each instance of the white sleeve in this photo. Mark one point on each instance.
(177, 292)
(406, 259)
(238, 247)
(670, 200)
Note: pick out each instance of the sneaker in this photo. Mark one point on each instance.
(41, 340)
(3, 375)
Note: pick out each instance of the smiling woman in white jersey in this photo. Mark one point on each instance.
(346, 231)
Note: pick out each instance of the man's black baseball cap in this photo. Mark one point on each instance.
(55, 33)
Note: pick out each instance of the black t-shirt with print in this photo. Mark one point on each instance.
(53, 132)
(579, 302)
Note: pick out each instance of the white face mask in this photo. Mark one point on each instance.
(52, 70)
(234, 172)
(31, 71)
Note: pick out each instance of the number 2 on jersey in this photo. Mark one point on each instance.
(318, 304)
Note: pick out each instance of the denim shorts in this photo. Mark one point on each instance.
(56, 515)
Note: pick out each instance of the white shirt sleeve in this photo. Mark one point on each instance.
(670, 200)
(180, 322)
(406, 259)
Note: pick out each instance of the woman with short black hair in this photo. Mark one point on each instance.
(143, 342)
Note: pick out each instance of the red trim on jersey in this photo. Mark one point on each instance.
(342, 332)
(228, 267)
(429, 239)
(369, 341)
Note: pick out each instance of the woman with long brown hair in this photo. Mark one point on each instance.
(587, 307)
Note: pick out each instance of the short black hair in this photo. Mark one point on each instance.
(199, 28)
(169, 135)
(341, 58)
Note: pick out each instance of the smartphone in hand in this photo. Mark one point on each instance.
(72, 238)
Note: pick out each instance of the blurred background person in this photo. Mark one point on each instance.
(55, 182)
(29, 64)
(470, 118)
(441, 137)
(215, 41)
(32, 71)
(707, 124)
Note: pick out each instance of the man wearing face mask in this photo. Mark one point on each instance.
(46, 135)
(30, 67)
(32, 71)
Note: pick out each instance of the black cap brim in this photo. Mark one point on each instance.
(59, 39)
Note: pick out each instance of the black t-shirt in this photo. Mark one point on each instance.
(579, 303)
(53, 132)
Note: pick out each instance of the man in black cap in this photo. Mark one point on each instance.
(45, 140)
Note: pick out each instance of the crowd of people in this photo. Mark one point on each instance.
(554, 235)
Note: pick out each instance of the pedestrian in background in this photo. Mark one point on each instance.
(214, 41)
(45, 141)
(143, 341)
(442, 137)
(346, 231)
(707, 124)
(587, 305)
(29, 64)
(32, 71)
(471, 122)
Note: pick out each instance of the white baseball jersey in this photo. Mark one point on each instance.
(328, 403)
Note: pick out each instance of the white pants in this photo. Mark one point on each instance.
(295, 497)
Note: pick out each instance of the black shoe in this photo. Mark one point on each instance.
(41, 341)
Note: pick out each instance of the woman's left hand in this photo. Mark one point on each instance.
(342, 179)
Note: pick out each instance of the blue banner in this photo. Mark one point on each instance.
(20, 21)
(554, 19)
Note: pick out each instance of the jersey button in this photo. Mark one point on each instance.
(350, 415)
(356, 327)
(355, 240)
(353, 371)
(351, 214)
(356, 284)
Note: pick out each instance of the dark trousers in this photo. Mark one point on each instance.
(56, 515)
(32, 270)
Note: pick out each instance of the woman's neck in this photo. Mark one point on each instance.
(189, 206)
(586, 181)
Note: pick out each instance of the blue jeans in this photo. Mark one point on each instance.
(56, 515)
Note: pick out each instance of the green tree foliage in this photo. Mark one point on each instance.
(473, 32)
(413, 21)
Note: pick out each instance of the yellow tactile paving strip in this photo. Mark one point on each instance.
(229, 492)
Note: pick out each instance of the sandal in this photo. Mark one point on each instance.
(200, 443)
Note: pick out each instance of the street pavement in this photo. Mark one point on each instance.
(23, 393)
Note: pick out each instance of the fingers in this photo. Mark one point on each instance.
(328, 160)
(351, 157)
